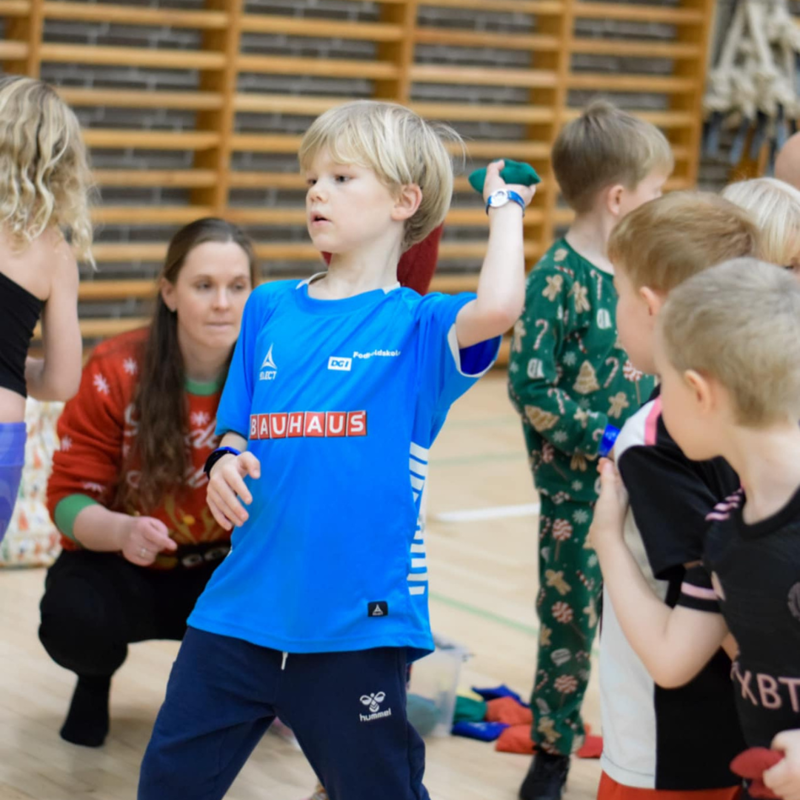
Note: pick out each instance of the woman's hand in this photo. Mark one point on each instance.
(227, 489)
(784, 777)
(611, 507)
(143, 539)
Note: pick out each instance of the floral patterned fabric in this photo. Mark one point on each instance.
(568, 379)
(568, 608)
(32, 539)
(568, 375)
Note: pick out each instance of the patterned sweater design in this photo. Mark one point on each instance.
(568, 375)
(97, 431)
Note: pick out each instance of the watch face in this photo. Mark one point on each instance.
(498, 198)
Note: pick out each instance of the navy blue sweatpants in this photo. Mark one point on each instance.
(347, 710)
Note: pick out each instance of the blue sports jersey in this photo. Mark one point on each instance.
(340, 401)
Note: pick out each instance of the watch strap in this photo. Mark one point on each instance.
(216, 455)
(513, 197)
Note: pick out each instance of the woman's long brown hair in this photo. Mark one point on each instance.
(160, 405)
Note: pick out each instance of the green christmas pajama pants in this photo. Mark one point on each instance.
(568, 609)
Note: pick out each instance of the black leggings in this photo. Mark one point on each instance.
(96, 604)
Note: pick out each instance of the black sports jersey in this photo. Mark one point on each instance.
(751, 574)
(669, 739)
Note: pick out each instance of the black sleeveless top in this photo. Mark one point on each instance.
(19, 313)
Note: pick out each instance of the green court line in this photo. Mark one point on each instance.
(476, 611)
(455, 461)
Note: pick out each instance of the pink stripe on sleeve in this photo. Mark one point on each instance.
(651, 424)
(698, 591)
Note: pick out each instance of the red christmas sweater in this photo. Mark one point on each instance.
(97, 431)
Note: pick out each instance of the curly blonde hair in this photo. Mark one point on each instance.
(44, 171)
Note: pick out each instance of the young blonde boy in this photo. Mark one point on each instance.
(571, 382)
(727, 350)
(658, 742)
(775, 209)
(337, 389)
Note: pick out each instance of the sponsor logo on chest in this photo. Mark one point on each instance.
(308, 424)
(340, 364)
(268, 369)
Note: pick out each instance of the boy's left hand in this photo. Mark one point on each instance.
(611, 507)
(784, 777)
(494, 182)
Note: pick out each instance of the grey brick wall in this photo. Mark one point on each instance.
(165, 38)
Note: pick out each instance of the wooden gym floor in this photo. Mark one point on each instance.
(483, 587)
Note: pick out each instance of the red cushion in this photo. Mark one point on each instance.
(508, 710)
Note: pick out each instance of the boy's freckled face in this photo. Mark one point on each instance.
(346, 204)
(634, 323)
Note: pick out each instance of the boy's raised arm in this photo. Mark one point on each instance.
(501, 285)
(673, 644)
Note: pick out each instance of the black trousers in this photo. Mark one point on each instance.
(348, 711)
(96, 604)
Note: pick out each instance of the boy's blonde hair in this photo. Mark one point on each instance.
(603, 147)
(740, 323)
(44, 173)
(666, 241)
(398, 145)
(775, 208)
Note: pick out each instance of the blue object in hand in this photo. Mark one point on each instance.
(607, 442)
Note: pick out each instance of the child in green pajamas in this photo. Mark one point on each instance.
(574, 387)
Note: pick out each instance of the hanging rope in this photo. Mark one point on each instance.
(754, 86)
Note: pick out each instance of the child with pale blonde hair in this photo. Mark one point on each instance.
(775, 208)
(727, 349)
(337, 389)
(44, 194)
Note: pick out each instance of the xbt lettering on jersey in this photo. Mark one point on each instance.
(305, 424)
(765, 690)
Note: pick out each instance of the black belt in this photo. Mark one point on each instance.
(191, 556)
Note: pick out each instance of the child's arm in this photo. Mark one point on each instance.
(784, 777)
(58, 375)
(501, 285)
(226, 486)
(673, 644)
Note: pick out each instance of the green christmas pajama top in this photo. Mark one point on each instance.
(568, 379)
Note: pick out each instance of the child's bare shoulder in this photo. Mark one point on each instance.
(38, 265)
(52, 253)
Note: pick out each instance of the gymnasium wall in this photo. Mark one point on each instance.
(196, 107)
